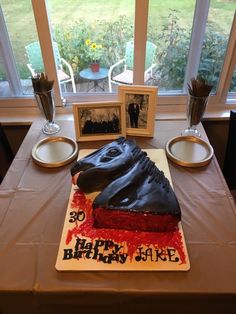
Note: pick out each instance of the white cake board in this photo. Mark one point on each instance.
(81, 252)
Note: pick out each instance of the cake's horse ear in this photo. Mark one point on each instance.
(121, 140)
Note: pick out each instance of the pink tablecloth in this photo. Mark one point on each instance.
(33, 202)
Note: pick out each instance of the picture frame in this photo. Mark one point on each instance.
(99, 120)
(140, 120)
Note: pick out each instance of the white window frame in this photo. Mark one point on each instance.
(141, 20)
(228, 67)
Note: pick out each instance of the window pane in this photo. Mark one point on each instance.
(218, 28)
(169, 28)
(88, 31)
(4, 85)
(21, 28)
(232, 88)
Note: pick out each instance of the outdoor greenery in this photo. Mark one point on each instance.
(111, 26)
(172, 42)
(112, 36)
(173, 49)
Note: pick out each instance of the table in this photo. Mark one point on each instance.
(33, 203)
(94, 77)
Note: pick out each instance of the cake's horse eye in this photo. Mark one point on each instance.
(110, 154)
(113, 152)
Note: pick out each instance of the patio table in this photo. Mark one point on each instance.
(95, 78)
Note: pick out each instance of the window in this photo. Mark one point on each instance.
(172, 41)
(232, 88)
(169, 28)
(4, 85)
(215, 40)
(89, 32)
(20, 32)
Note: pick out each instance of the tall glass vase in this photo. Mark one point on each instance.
(195, 108)
(46, 105)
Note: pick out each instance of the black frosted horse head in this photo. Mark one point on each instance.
(101, 167)
(126, 179)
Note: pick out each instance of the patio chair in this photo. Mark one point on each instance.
(35, 64)
(127, 63)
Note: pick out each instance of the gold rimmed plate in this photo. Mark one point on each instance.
(55, 151)
(189, 151)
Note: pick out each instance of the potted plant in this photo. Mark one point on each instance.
(94, 54)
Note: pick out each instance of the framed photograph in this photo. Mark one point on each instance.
(140, 106)
(99, 121)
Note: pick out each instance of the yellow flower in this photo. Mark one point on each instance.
(94, 46)
(88, 42)
(93, 50)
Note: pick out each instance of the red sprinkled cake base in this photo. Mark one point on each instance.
(117, 219)
(132, 239)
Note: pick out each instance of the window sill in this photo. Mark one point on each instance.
(174, 112)
(25, 116)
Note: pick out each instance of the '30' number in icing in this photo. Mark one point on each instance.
(80, 216)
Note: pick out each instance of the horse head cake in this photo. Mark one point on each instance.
(133, 194)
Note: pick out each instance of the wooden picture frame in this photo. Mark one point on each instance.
(99, 120)
(139, 122)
